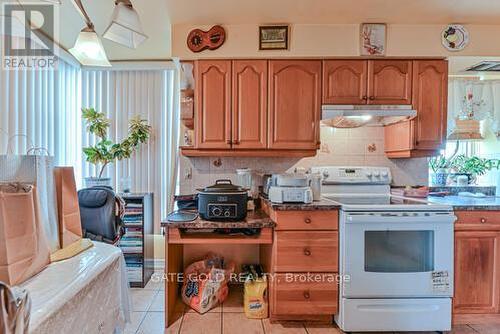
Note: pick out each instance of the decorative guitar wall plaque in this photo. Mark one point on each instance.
(199, 40)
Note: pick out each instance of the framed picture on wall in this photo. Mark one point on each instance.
(373, 39)
(273, 37)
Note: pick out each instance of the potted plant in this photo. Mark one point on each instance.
(440, 167)
(105, 151)
(472, 166)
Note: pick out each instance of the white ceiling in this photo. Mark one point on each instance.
(154, 18)
(334, 11)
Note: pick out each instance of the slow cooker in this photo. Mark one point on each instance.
(223, 201)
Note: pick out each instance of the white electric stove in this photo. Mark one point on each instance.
(396, 254)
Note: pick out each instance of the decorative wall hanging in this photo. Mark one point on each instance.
(199, 40)
(273, 37)
(373, 39)
(455, 37)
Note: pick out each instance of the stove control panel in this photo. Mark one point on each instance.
(354, 175)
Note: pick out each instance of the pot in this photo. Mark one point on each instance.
(223, 201)
(440, 177)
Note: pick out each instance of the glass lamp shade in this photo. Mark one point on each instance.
(88, 49)
(125, 27)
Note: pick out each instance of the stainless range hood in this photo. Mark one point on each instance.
(354, 116)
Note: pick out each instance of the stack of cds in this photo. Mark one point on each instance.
(132, 242)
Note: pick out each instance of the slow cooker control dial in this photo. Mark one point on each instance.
(216, 211)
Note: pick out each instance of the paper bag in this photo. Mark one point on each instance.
(24, 250)
(15, 308)
(39, 171)
(70, 227)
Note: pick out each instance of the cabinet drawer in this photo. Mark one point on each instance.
(292, 295)
(307, 220)
(306, 251)
(477, 220)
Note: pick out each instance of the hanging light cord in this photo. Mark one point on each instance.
(79, 6)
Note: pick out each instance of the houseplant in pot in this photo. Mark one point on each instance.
(105, 151)
(440, 167)
(472, 167)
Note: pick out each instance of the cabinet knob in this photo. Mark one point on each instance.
(307, 295)
(365, 97)
(308, 221)
(483, 220)
(307, 252)
(372, 97)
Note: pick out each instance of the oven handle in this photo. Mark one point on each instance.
(440, 219)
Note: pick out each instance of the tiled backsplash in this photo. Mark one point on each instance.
(362, 147)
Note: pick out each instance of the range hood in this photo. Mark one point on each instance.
(354, 116)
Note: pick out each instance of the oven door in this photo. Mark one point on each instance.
(397, 254)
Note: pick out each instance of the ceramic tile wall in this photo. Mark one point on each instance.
(339, 147)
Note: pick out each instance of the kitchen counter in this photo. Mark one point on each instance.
(463, 203)
(323, 205)
(254, 219)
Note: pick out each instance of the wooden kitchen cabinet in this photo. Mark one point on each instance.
(295, 297)
(367, 82)
(390, 81)
(477, 270)
(425, 134)
(477, 263)
(249, 96)
(305, 244)
(213, 104)
(256, 108)
(294, 104)
(345, 81)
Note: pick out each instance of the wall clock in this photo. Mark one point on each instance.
(199, 40)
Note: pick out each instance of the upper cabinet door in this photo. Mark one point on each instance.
(345, 81)
(249, 104)
(294, 104)
(430, 99)
(389, 81)
(213, 104)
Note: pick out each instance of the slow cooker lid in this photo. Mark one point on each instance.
(223, 186)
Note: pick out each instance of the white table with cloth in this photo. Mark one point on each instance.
(87, 293)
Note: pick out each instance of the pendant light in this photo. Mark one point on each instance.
(88, 49)
(125, 27)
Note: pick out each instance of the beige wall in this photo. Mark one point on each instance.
(311, 40)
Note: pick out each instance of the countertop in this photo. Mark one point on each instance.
(254, 219)
(323, 205)
(463, 203)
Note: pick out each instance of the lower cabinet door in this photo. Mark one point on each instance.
(305, 294)
(477, 275)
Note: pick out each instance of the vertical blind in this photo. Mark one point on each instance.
(38, 110)
(41, 108)
(150, 95)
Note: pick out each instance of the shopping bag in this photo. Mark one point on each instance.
(24, 250)
(205, 283)
(70, 226)
(15, 308)
(39, 171)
